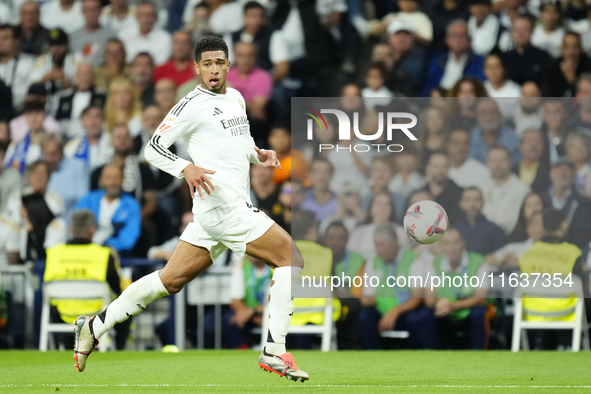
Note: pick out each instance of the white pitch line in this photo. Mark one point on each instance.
(459, 386)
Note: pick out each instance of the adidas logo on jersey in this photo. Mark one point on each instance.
(217, 111)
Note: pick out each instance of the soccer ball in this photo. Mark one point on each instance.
(425, 222)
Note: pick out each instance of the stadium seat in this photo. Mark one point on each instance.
(69, 290)
(326, 330)
(578, 325)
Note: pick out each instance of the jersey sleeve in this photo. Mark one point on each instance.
(173, 127)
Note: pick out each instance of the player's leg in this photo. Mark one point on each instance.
(278, 249)
(186, 263)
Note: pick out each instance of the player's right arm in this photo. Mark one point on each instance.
(173, 127)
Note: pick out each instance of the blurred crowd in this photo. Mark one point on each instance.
(504, 116)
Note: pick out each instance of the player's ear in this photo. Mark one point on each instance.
(196, 66)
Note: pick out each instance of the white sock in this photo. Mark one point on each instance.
(280, 307)
(131, 302)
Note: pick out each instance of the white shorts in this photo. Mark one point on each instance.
(229, 226)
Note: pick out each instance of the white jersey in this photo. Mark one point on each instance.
(217, 134)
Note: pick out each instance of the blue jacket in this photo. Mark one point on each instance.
(127, 220)
(474, 68)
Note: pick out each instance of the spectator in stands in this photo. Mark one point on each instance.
(507, 257)
(581, 119)
(504, 91)
(19, 126)
(442, 15)
(28, 149)
(444, 191)
(152, 116)
(485, 29)
(114, 65)
(395, 81)
(119, 15)
(532, 170)
(529, 113)
(62, 14)
(10, 180)
(293, 162)
(99, 264)
(447, 68)
(255, 85)
(94, 147)
(4, 134)
(34, 38)
(255, 32)
(198, 26)
(147, 38)
(119, 214)
(525, 62)
(464, 170)
(459, 309)
(380, 175)
(250, 280)
(290, 198)
(577, 149)
(549, 33)
(164, 251)
(394, 307)
(15, 68)
(406, 179)
(36, 214)
(505, 193)
(69, 177)
(376, 93)
(409, 58)
(138, 179)
(71, 102)
(531, 204)
(564, 197)
(180, 67)
(513, 9)
(57, 68)
(490, 132)
(350, 212)
(563, 72)
(88, 43)
(142, 71)
(263, 191)
(462, 112)
(481, 235)
(409, 13)
(556, 128)
(433, 134)
(381, 211)
(164, 96)
(319, 198)
(123, 105)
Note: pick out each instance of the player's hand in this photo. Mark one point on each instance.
(267, 157)
(443, 308)
(388, 321)
(196, 179)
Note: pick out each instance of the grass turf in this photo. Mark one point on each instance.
(344, 371)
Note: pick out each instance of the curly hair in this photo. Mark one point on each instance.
(210, 43)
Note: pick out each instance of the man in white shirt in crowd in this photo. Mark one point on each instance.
(504, 195)
(94, 145)
(15, 67)
(465, 171)
(147, 38)
(88, 43)
(63, 14)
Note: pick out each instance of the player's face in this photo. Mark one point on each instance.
(212, 68)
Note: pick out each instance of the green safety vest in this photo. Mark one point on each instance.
(453, 293)
(389, 297)
(255, 286)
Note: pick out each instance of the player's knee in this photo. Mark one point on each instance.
(173, 286)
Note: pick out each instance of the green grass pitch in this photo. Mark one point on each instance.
(335, 372)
